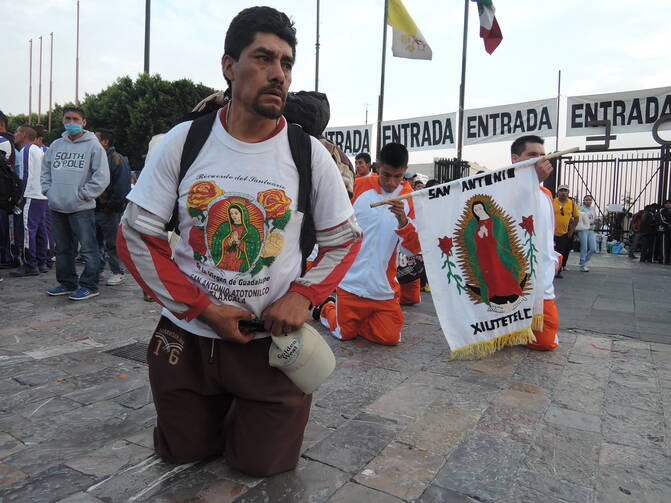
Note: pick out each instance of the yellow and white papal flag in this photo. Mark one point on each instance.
(408, 41)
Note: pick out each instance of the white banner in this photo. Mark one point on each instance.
(433, 132)
(482, 258)
(628, 112)
(351, 139)
(508, 122)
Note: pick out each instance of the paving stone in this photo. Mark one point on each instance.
(222, 471)
(437, 494)
(314, 433)
(136, 398)
(326, 417)
(483, 466)
(406, 402)
(498, 368)
(10, 476)
(38, 458)
(565, 453)
(520, 386)
(440, 429)
(640, 398)
(355, 443)
(572, 419)
(533, 487)
(520, 424)
(39, 377)
(310, 482)
(597, 347)
(628, 474)
(633, 427)
(81, 497)
(9, 445)
(47, 408)
(110, 459)
(51, 485)
(401, 470)
(582, 388)
(197, 485)
(541, 374)
(352, 492)
(107, 390)
(519, 399)
(481, 379)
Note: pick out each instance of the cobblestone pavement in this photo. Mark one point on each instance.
(589, 422)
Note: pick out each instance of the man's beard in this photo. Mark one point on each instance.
(268, 111)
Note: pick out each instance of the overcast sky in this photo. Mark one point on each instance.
(600, 46)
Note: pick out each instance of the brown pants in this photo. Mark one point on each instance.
(215, 397)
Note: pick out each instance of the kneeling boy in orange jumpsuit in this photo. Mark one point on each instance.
(367, 302)
(529, 147)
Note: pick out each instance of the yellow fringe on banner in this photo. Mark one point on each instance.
(537, 323)
(481, 349)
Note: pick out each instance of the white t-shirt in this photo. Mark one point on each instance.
(29, 161)
(237, 214)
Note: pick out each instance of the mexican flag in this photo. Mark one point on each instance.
(408, 41)
(489, 26)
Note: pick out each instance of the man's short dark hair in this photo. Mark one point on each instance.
(431, 183)
(106, 134)
(3, 119)
(29, 131)
(519, 145)
(72, 108)
(395, 155)
(363, 155)
(39, 129)
(244, 27)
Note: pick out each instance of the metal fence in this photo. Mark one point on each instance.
(447, 170)
(632, 178)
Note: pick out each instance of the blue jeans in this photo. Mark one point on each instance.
(70, 228)
(107, 225)
(587, 246)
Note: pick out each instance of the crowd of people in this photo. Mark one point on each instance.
(66, 204)
(270, 228)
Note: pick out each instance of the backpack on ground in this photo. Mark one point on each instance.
(10, 185)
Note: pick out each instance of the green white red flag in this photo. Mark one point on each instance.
(489, 26)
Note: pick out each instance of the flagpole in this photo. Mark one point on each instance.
(147, 23)
(39, 88)
(51, 75)
(558, 101)
(424, 191)
(380, 103)
(317, 52)
(77, 61)
(462, 87)
(30, 82)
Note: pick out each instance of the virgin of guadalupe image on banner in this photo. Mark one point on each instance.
(481, 258)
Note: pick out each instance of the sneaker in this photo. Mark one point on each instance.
(82, 294)
(24, 270)
(59, 290)
(43, 268)
(584, 268)
(317, 310)
(115, 279)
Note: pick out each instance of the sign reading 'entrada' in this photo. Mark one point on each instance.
(628, 112)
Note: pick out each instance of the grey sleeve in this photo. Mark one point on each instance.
(45, 173)
(100, 176)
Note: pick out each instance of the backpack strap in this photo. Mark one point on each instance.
(301, 152)
(198, 134)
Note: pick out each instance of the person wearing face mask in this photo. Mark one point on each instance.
(74, 173)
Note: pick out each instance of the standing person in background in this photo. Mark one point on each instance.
(362, 164)
(34, 204)
(8, 258)
(566, 218)
(647, 231)
(110, 205)
(74, 174)
(585, 229)
(665, 214)
(51, 248)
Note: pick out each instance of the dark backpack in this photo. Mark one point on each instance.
(301, 151)
(10, 185)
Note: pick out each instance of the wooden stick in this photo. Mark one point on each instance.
(410, 194)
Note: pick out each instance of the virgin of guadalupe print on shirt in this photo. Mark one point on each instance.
(234, 231)
(491, 256)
